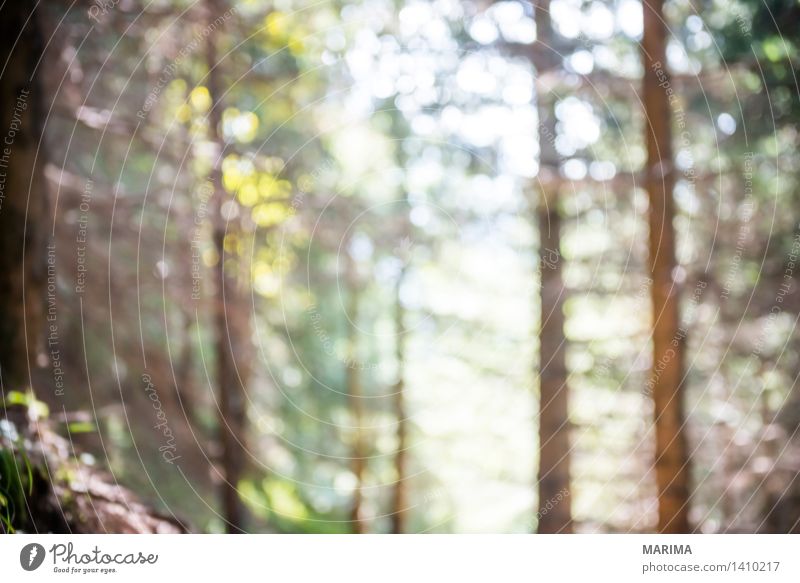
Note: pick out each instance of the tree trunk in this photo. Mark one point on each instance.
(400, 495)
(355, 398)
(231, 319)
(23, 198)
(671, 463)
(554, 515)
(554, 512)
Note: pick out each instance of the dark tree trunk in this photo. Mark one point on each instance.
(671, 462)
(554, 512)
(23, 198)
(231, 318)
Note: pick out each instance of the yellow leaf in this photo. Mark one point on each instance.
(248, 194)
(200, 99)
(275, 24)
(266, 215)
(183, 113)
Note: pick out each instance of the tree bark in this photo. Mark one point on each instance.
(554, 513)
(400, 494)
(671, 462)
(23, 198)
(231, 318)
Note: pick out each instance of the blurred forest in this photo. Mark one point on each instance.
(399, 266)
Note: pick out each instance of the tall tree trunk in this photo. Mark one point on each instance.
(355, 398)
(555, 509)
(231, 315)
(671, 463)
(400, 495)
(555, 513)
(23, 198)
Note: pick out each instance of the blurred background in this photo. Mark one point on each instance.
(382, 266)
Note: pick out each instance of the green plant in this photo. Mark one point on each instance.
(16, 480)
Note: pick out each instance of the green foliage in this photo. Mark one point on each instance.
(16, 480)
(16, 470)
